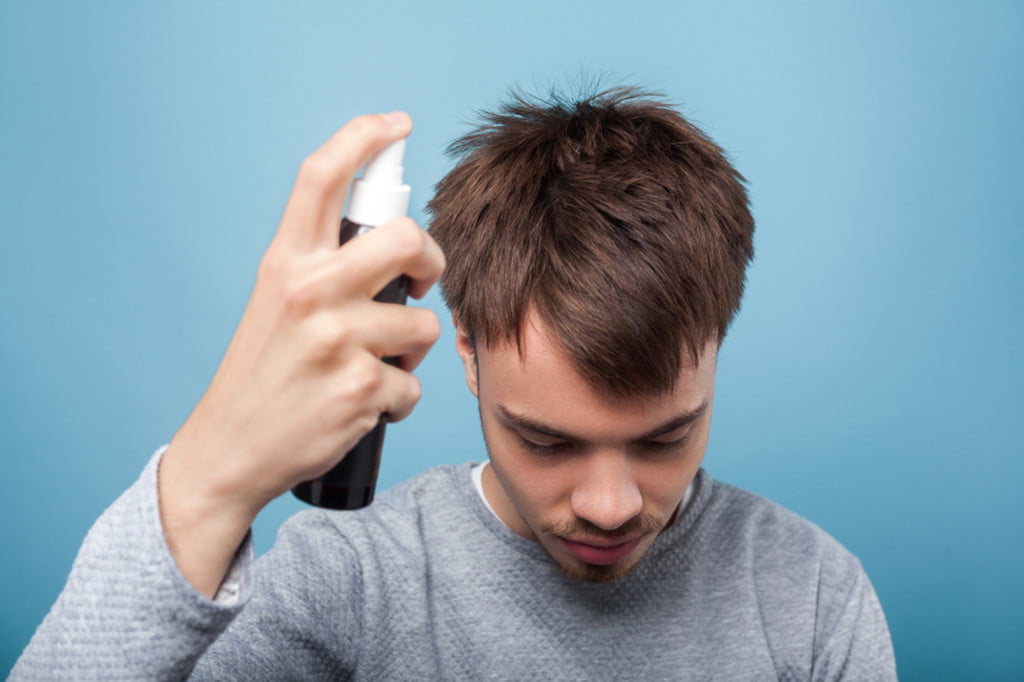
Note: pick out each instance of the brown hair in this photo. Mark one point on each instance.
(622, 224)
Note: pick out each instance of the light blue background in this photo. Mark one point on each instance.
(871, 383)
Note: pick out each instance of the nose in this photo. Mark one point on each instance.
(607, 494)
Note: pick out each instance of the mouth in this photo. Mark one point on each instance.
(600, 554)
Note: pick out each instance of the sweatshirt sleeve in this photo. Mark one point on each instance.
(852, 640)
(306, 616)
(126, 612)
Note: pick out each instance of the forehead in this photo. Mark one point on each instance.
(539, 380)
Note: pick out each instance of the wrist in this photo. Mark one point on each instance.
(204, 522)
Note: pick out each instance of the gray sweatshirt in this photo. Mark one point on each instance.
(426, 584)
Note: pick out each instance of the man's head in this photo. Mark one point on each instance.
(596, 255)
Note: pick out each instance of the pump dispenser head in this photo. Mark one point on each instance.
(380, 195)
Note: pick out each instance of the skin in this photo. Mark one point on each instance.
(605, 480)
(302, 379)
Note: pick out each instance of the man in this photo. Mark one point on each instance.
(596, 253)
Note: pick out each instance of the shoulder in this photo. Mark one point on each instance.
(803, 580)
(795, 572)
(813, 598)
(772, 534)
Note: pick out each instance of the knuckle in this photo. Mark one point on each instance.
(315, 173)
(429, 326)
(329, 345)
(301, 298)
(366, 377)
(271, 267)
(440, 260)
(414, 391)
(409, 239)
(407, 399)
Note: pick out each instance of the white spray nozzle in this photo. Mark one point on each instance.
(380, 195)
(386, 165)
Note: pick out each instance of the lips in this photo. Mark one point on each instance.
(600, 555)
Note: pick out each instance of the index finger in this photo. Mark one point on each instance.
(398, 247)
(313, 213)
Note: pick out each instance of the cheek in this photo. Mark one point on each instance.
(534, 483)
(531, 479)
(662, 485)
(663, 481)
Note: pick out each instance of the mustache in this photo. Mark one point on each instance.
(581, 530)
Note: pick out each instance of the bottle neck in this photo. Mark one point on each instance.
(374, 203)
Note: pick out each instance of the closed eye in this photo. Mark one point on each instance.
(652, 446)
(664, 446)
(543, 448)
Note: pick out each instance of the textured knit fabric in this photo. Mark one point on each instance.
(426, 584)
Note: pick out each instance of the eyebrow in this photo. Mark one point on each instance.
(528, 424)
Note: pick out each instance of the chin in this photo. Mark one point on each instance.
(590, 573)
(595, 574)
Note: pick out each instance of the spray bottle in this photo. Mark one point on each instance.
(377, 197)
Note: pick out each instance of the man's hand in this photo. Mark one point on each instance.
(302, 379)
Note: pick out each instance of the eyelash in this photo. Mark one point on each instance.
(650, 446)
(658, 446)
(539, 449)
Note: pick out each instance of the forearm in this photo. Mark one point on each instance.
(202, 531)
(302, 380)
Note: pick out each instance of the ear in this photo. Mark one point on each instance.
(464, 346)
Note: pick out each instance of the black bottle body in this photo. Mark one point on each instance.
(352, 482)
